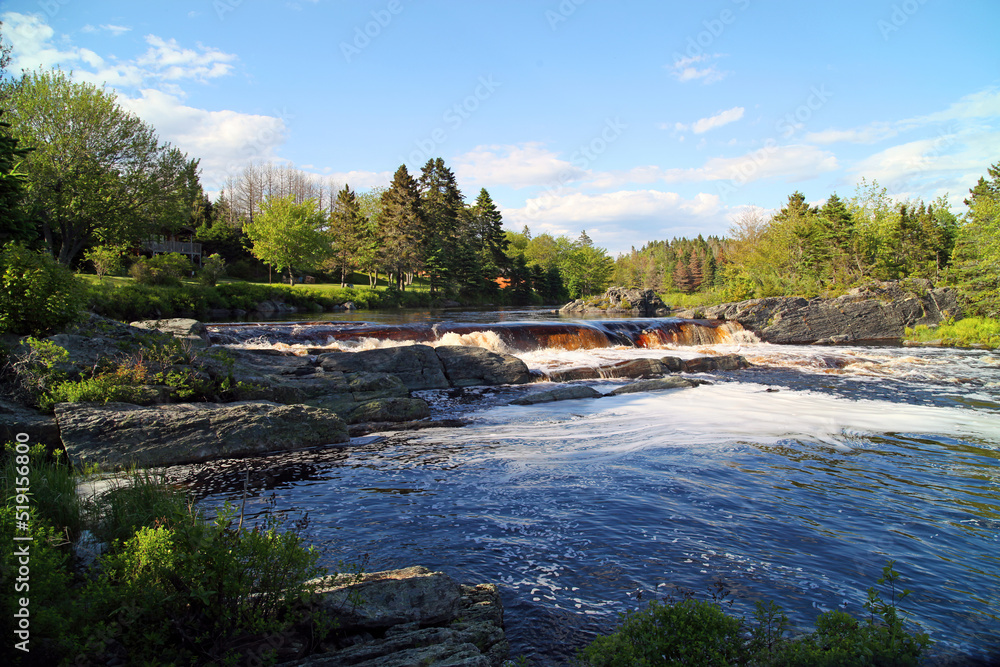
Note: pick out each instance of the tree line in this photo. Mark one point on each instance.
(809, 250)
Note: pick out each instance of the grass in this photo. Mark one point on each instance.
(970, 332)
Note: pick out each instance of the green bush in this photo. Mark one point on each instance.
(695, 632)
(37, 294)
(690, 632)
(166, 269)
(213, 269)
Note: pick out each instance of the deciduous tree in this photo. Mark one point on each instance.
(289, 235)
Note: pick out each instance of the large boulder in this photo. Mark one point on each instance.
(418, 366)
(124, 434)
(180, 327)
(16, 419)
(467, 366)
(659, 384)
(412, 616)
(879, 312)
(621, 301)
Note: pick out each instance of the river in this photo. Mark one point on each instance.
(794, 480)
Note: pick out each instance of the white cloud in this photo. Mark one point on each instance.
(616, 220)
(224, 140)
(697, 68)
(361, 180)
(166, 59)
(30, 39)
(518, 166)
(869, 134)
(703, 125)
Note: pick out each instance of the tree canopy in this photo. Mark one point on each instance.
(97, 173)
(289, 235)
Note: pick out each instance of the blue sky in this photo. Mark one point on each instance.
(635, 121)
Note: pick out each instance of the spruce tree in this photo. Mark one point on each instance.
(400, 222)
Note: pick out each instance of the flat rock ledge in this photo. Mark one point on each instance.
(119, 434)
(878, 312)
(407, 617)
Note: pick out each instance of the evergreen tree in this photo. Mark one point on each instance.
(400, 223)
(444, 237)
(15, 224)
(490, 238)
(347, 229)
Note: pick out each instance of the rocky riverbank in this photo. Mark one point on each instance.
(880, 312)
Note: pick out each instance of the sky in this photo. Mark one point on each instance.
(633, 120)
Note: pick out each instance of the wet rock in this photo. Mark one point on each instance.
(418, 366)
(558, 394)
(726, 362)
(672, 364)
(573, 374)
(655, 385)
(123, 433)
(620, 300)
(467, 366)
(390, 410)
(633, 368)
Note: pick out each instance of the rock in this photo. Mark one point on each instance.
(418, 366)
(183, 328)
(878, 312)
(423, 617)
(633, 368)
(642, 303)
(726, 362)
(672, 364)
(655, 385)
(16, 418)
(380, 600)
(373, 386)
(467, 366)
(390, 410)
(122, 433)
(573, 374)
(558, 394)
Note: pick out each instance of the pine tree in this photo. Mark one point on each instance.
(444, 236)
(400, 222)
(490, 239)
(347, 227)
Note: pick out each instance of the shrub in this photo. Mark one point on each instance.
(213, 269)
(106, 259)
(37, 294)
(166, 269)
(694, 632)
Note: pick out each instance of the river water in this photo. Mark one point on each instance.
(794, 480)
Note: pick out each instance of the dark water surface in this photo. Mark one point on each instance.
(794, 481)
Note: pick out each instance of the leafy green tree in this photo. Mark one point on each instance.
(289, 235)
(587, 271)
(348, 227)
(37, 294)
(97, 173)
(105, 259)
(370, 203)
(15, 224)
(399, 225)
